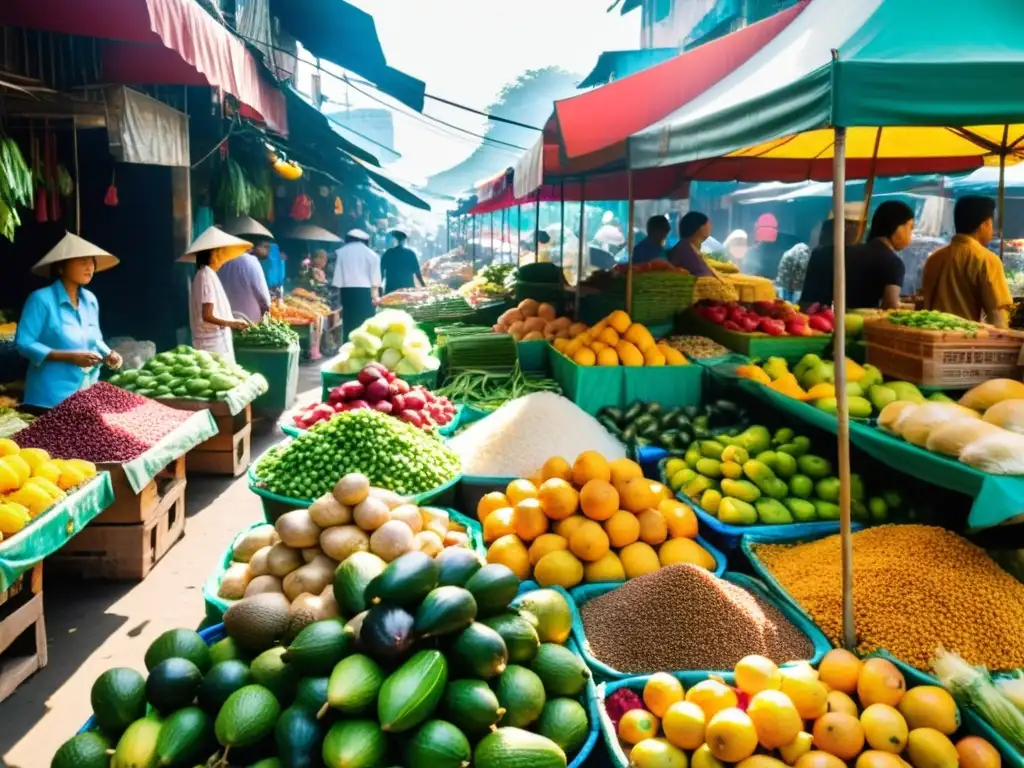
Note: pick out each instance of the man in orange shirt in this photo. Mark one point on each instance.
(965, 278)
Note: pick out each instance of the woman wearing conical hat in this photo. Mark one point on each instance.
(209, 314)
(59, 331)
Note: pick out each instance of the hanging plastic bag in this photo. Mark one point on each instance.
(302, 208)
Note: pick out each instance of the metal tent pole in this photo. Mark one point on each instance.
(579, 252)
(519, 233)
(629, 243)
(839, 355)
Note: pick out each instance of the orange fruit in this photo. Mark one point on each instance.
(662, 691)
(584, 356)
(837, 701)
(880, 682)
(703, 758)
(874, 758)
(929, 706)
(975, 752)
(623, 470)
(839, 670)
(756, 673)
(818, 759)
(731, 735)
(566, 528)
(653, 529)
(797, 748)
(622, 528)
(511, 552)
(558, 499)
(639, 559)
(775, 718)
(676, 551)
(656, 753)
(662, 492)
(545, 543)
(590, 465)
(636, 495)
(608, 568)
(884, 728)
(637, 725)
(499, 523)
(558, 467)
(684, 724)
(529, 520)
(712, 696)
(760, 761)
(589, 542)
(599, 500)
(558, 568)
(518, 490)
(680, 518)
(838, 734)
(928, 748)
(490, 502)
(800, 682)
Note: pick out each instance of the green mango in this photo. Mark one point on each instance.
(785, 465)
(814, 466)
(744, 490)
(736, 512)
(826, 510)
(783, 436)
(773, 512)
(767, 458)
(878, 509)
(802, 510)
(880, 396)
(801, 486)
(755, 439)
(797, 447)
(827, 489)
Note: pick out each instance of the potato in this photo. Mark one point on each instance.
(546, 311)
(327, 511)
(517, 328)
(234, 582)
(390, 498)
(392, 540)
(533, 336)
(528, 308)
(330, 602)
(410, 515)
(576, 329)
(371, 514)
(263, 584)
(297, 529)
(252, 540)
(312, 578)
(282, 560)
(351, 489)
(535, 324)
(560, 322)
(510, 316)
(429, 543)
(342, 540)
(309, 554)
(259, 563)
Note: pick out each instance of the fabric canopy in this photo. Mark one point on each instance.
(612, 65)
(898, 66)
(346, 36)
(158, 42)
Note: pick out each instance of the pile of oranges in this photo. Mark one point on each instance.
(593, 520)
(847, 712)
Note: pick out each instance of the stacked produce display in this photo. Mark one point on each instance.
(379, 389)
(185, 373)
(774, 318)
(847, 711)
(674, 429)
(439, 664)
(593, 520)
(31, 482)
(531, 320)
(489, 390)
(617, 340)
(393, 454)
(494, 281)
(390, 338)
(266, 334)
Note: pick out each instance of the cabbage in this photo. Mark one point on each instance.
(354, 365)
(365, 341)
(399, 321)
(417, 358)
(377, 325)
(406, 367)
(390, 358)
(393, 340)
(433, 363)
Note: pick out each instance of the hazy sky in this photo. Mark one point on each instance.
(466, 50)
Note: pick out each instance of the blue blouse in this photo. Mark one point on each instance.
(49, 322)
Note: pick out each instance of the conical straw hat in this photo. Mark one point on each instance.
(215, 239)
(310, 233)
(246, 226)
(73, 247)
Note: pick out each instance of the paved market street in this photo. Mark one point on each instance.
(94, 625)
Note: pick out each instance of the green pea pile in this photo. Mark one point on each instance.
(392, 454)
(932, 320)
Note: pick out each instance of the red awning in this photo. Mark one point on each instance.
(158, 42)
(608, 115)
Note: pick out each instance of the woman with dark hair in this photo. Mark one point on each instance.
(874, 273)
(694, 229)
(210, 316)
(59, 332)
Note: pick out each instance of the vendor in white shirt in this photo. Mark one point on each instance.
(210, 315)
(357, 276)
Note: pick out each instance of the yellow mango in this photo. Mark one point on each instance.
(607, 357)
(87, 468)
(49, 469)
(20, 467)
(609, 337)
(673, 356)
(818, 391)
(584, 356)
(629, 354)
(597, 346)
(70, 476)
(52, 489)
(13, 517)
(638, 335)
(8, 447)
(33, 498)
(9, 480)
(619, 320)
(653, 357)
(34, 457)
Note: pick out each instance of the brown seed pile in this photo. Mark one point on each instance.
(684, 617)
(697, 347)
(915, 588)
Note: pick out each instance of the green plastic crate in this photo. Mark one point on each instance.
(280, 367)
(759, 345)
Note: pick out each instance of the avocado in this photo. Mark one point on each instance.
(186, 738)
(173, 684)
(270, 670)
(223, 679)
(118, 699)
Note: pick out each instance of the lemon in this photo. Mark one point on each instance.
(559, 568)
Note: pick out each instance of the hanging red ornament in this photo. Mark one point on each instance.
(302, 208)
(111, 197)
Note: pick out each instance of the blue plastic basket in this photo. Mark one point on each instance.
(728, 536)
(581, 595)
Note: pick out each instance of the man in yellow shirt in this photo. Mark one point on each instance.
(965, 278)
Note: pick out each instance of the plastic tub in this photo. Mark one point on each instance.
(729, 536)
(601, 670)
(216, 605)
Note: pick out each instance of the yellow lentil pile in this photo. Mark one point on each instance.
(915, 588)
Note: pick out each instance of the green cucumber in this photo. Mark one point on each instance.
(515, 748)
(318, 647)
(493, 587)
(186, 738)
(354, 744)
(472, 706)
(521, 693)
(562, 671)
(480, 651)
(520, 636)
(405, 582)
(438, 744)
(411, 694)
(445, 610)
(354, 685)
(352, 578)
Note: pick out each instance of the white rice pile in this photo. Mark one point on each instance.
(519, 437)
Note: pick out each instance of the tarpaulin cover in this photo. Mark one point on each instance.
(158, 42)
(612, 65)
(196, 429)
(896, 68)
(53, 528)
(144, 130)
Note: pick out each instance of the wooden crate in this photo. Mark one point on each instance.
(232, 460)
(940, 358)
(131, 507)
(22, 631)
(125, 551)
